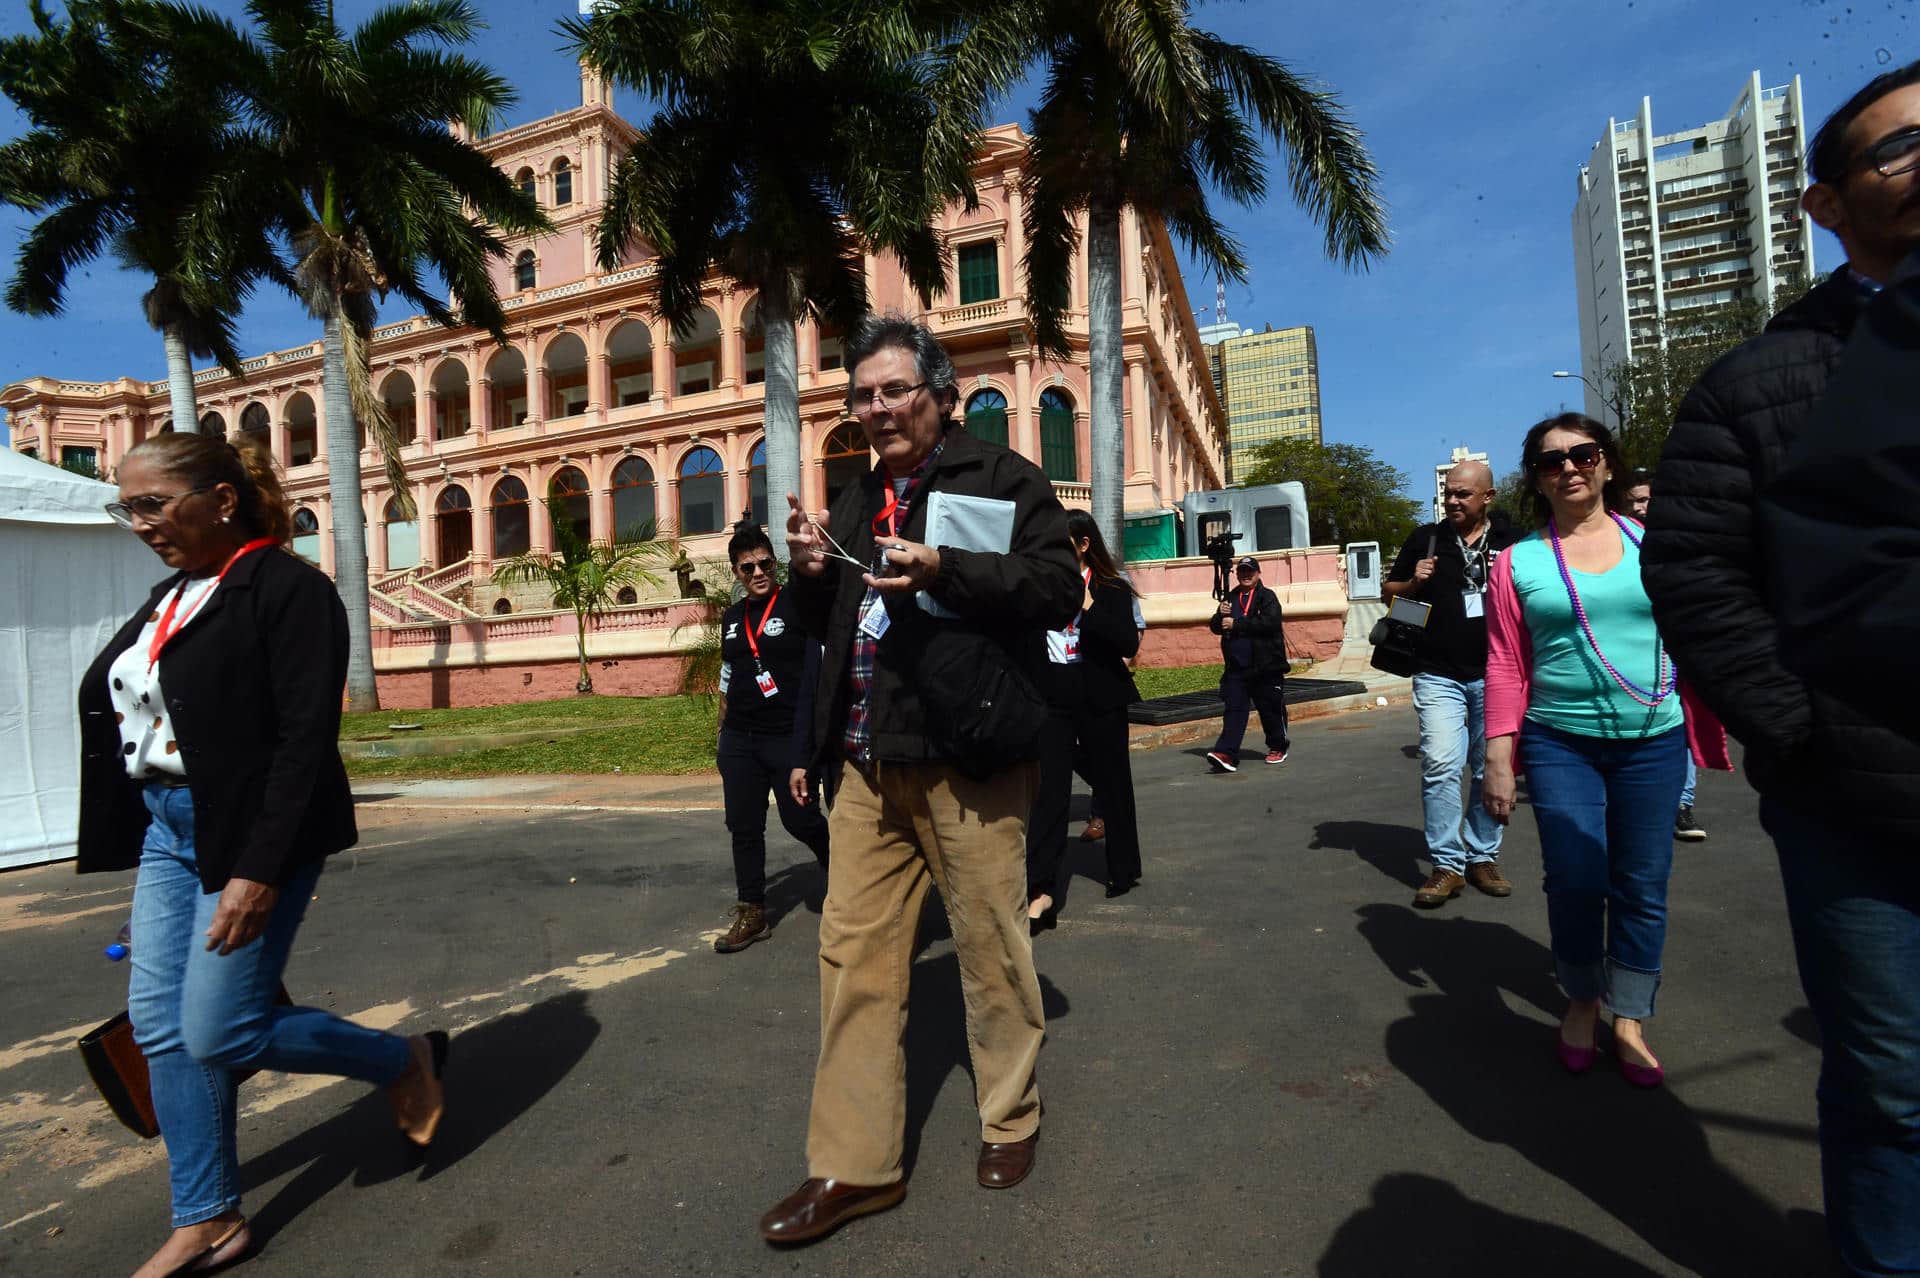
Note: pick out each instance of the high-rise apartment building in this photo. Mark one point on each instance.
(1271, 385)
(1666, 226)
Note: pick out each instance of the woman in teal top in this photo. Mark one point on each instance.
(1580, 688)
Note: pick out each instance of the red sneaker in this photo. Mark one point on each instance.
(1276, 756)
(1221, 761)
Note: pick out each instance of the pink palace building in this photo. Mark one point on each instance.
(596, 395)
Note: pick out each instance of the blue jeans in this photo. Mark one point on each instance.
(1854, 904)
(1605, 811)
(1693, 780)
(1453, 735)
(198, 1015)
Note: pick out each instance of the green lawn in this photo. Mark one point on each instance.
(646, 735)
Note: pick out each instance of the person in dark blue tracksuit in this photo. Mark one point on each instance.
(1254, 648)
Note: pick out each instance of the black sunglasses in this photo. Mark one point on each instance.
(748, 567)
(1554, 460)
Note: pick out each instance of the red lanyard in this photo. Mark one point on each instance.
(167, 628)
(889, 515)
(753, 633)
(1246, 601)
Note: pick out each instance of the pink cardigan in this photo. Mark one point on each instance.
(1510, 677)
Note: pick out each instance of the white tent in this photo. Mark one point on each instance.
(69, 577)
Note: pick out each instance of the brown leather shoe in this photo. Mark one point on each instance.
(749, 925)
(1438, 890)
(1486, 876)
(1004, 1166)
(819, 1207)
(1095, 831)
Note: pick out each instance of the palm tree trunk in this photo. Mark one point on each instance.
(349, 520)
(585, 683)
(781, 411)
(186, 416)
(1106, 371)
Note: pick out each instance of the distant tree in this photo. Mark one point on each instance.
(1352, 495)
(1650, 386)
(1513, 501)
(584, 576)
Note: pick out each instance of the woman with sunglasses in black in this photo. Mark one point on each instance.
(769, 667)
(1579, 685)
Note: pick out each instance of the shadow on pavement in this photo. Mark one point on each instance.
(936, 1039)
(1800, 1023)
(803, 883)
(1420, 1225)
(1640, 1156)
(1397, 851)
(495, 1073)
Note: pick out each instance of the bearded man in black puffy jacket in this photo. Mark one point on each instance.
(1840, 790)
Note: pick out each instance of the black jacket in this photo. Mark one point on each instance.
(1705, 566)
(1012, 599)
(253, 685)
(1099, 681)
(1262, 625)
(1842, 519)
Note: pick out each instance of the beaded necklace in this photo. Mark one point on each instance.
(1663, 674)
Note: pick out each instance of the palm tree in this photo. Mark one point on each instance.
(1140, 109)
(791, 135)
(585, 576)
(129, 133)
(356, 165)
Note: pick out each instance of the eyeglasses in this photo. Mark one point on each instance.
(148, 507)
(873, 401)
(1553, 461)
(749, 567)
(1462, 494)
(1892, 156)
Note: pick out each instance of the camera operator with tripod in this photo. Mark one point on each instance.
(1446, 565)
(1254, 648)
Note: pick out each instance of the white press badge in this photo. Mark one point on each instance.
(767, 687)
(874, 621)
(1474, 602)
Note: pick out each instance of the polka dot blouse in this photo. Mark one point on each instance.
(147, 742)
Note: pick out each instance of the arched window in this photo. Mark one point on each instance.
(1059, 443)
(633, 501)
(703, 492)
(453, 513)
(627, 595)
(502, 606)
(213, 424)
(306, 535)
(524, 180)
(562, 181)
(569, 487)
(757, 483)
(844, 457)
(987, 416)
(523, 270)
(403, 538)
(254, 419)
(512, 525)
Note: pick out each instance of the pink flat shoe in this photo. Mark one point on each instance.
(1642, 1075)
(1576, 1060)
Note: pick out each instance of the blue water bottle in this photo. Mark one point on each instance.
(122, 944)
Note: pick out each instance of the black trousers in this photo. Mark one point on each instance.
(750, 762)
(1101, 737)
(1265, 691)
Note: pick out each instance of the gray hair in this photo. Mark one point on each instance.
(894, 331)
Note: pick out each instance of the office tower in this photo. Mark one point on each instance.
(1270, 383)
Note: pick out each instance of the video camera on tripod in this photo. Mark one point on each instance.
(1219, 548)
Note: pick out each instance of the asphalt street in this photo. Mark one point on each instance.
(1261, 1061)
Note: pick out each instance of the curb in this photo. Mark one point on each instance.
(1172, 734)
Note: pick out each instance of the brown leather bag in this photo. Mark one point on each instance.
(119, 1071)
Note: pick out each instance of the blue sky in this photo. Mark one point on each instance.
(1478, 116)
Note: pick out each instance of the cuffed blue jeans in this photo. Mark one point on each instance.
(1854, 904)
(198, 1015)
(1453, 735)
(1605, 811)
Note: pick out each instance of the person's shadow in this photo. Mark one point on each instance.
(496, 1071)
(1468, 1238)
(1395, 850)
(1641, 1156)
(802, 883)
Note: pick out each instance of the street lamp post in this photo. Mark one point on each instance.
(1619, 408)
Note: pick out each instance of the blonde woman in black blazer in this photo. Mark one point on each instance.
(1088, 688)
(209, 762)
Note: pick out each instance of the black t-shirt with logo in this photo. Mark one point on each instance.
(1456, 644)
(784, 648)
